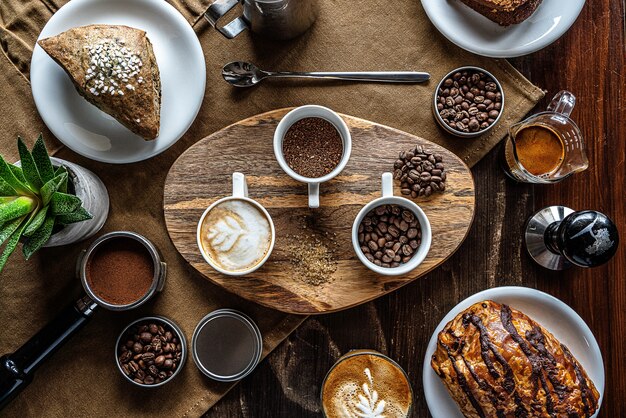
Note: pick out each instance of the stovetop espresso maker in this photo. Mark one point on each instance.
(275, 19)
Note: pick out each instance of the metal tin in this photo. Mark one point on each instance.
(444, 125)
(204, 327)
(179, 335)
(158, 280)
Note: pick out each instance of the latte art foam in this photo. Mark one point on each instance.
(236, 235)
(366, 386)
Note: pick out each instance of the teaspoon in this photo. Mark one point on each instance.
(245, 74)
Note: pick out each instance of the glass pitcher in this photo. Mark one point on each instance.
(547, 161)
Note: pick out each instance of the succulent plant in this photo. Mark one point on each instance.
(35, 201)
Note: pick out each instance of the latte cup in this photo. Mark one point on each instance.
(241, 237)
(389, 199)
(312, 111)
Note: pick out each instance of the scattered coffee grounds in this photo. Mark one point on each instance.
(313, 257)
(420, 172)
(312, 147)
(389, 235)
(469, 101)
(150, 353)
(539, 149)
(120, 271)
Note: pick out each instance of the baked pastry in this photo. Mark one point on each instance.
(114, 68)
(497, 362)
(504, 12)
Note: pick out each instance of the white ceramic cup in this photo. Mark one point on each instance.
(389, 199)
(312, 111)
(240, 192)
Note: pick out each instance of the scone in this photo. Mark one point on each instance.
(114, 68)
(504, 12)
(497, 362)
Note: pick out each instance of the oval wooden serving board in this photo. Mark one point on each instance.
(203, 174)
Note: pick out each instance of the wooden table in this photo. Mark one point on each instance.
(589, 61)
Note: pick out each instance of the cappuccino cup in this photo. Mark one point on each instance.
(236, 234)
(366, 383)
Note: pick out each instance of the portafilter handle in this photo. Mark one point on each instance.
(586, 238)
(17, 369)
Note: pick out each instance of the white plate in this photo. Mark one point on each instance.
(475, 33)
(548, 311)
(92, 133)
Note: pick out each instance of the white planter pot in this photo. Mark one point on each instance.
(93, 193)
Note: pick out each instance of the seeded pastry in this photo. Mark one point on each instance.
(497, 362)
(114, 68)
(504, 12)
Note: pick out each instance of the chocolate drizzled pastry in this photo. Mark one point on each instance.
(497, 362)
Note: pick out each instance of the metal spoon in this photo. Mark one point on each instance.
(245, 74)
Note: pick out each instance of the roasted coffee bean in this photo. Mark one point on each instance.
(402, 228)
(145, 337)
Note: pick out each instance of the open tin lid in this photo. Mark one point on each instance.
(226, 345)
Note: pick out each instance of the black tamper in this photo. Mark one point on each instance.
(557, 238)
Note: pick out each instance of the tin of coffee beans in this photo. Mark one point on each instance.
(468, 102)
(226, 345)
(151, 351)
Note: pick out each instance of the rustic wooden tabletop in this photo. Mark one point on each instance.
(589, 61)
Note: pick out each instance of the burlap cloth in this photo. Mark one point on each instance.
(81, 379)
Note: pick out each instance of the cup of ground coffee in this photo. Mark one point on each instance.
(391, 235)
(366, 383)
(312, 144)
(236, 234)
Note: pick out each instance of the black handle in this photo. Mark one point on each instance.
(17, 369)
(586, 238)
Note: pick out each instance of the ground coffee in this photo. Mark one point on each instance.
(312, 147)
(120, 271)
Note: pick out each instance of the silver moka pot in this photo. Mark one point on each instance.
(275, 19)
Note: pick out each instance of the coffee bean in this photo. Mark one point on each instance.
(146, 337)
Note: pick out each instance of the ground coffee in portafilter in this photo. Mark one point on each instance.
(312, 147)
(120, 271)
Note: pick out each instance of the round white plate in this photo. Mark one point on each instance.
(475, 33)
(89, 131)
(548, 311)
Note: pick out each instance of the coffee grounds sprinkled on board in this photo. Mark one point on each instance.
(312, 147)
(313, 261)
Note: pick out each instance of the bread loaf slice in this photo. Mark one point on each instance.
(113, 68)
(504, 12)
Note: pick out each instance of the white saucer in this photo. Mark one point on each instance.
(475, 33)
(92, 133)
(548, 311)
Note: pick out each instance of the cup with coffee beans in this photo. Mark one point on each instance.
(468, 102)
(236, 234)
(391, 235)
(312, 144)
(151, 351)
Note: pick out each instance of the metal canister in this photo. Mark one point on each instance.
(226, 345)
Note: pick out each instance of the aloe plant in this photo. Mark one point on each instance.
(35, 201)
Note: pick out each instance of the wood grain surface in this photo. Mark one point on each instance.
(588, 60)
(247, 147)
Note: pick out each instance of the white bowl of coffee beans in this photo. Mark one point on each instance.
(468, 102)
(391, 235)
(151, 351)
